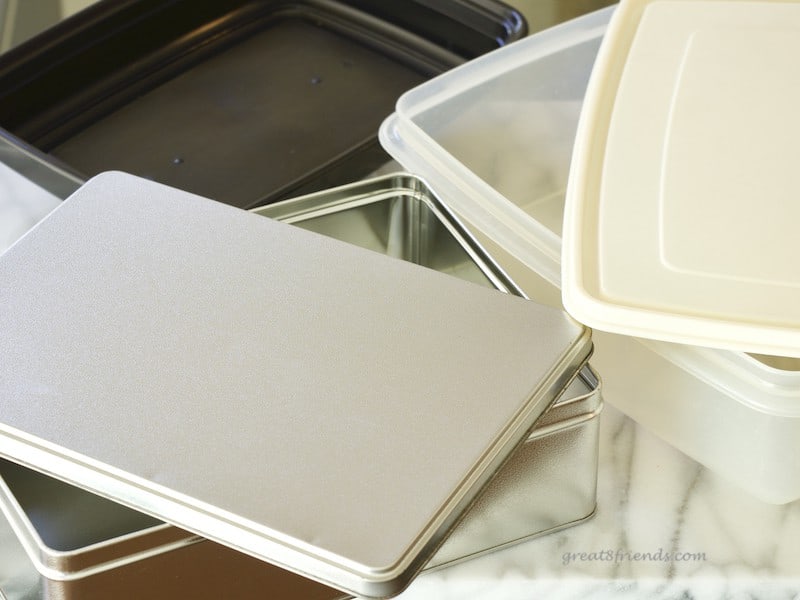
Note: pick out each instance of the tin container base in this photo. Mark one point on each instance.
(547, 484)
(201, 571)
(510, 543)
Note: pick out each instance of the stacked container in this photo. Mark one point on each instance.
(496, 137)
(85, 546)
(119, 78)
(246, 101)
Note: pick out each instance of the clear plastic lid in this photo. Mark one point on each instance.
(494, 136)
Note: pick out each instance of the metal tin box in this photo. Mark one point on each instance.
(89, 547)
(201, 94)
(550, 481)
(277, 391)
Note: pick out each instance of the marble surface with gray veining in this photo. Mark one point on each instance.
(665, 528)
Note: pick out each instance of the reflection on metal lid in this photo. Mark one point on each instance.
(199, 363)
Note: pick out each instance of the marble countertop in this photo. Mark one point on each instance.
(665, 526)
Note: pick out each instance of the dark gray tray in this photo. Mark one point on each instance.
(244, 101)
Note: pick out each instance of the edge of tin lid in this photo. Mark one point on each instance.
(138, 358)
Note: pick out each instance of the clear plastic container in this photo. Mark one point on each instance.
(494, 139)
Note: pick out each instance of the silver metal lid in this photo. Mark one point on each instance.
(319, 406)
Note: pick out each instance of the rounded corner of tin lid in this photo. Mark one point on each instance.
(109, 177)
(388, 581)
(581, 348)
(115, 183)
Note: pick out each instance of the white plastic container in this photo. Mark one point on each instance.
(495, 138)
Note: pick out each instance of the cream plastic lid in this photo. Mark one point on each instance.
(681, 219)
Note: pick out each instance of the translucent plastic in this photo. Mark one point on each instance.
(496, 135)
(736, 413)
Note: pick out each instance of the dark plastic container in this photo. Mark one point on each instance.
(244, 101)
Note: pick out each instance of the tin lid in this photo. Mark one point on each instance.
(681, 216)
(322, 407)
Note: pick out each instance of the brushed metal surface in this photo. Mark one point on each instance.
(400, 216)
(161, 349)
(81, 546)
(548, 483)
(89, 546)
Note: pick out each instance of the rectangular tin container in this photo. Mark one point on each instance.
(87, 547)
(202, 95)
(288, 357)
(550, 481)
